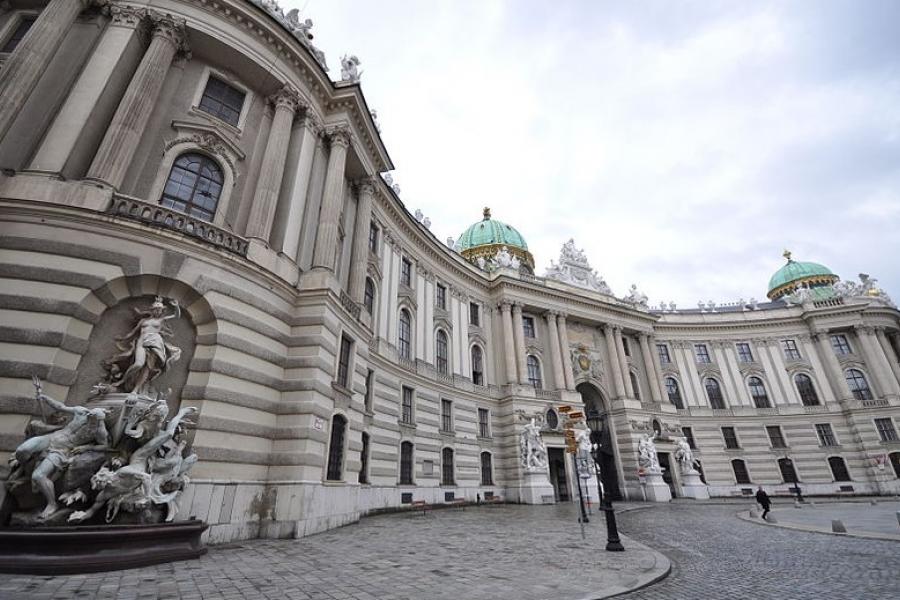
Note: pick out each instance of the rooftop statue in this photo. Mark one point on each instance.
(866, 288)
(504, 259)
(299, 29)
(635, 297)
(350, 68)
(574, 269)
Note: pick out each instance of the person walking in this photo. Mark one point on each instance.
(762, 498)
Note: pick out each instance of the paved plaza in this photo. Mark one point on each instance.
(859, 518)
(521, 552)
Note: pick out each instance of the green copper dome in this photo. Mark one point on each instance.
(488, 232)
(787, 278)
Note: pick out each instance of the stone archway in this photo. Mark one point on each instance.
(597, 412)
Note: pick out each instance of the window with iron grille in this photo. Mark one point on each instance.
(758, 392)
(826, 434)
(791, 352)
(776, 437)
(858, 385)
(19, 33)
(343, 374)
(840, 344)
(674, 393)
(534, 371)
(222, 101)
(744, 353)
(689, 436)
(477, 365)
(370, 390)
(806, 389)
(336, 448)
(406, 463)
(441, 297)
(528, 326)
(404, 335)
(474, 314)
(447, 466)
(839, 468)
(487, 477)
(741, 475)
(663, 351)
(442, 352)
(446, 415)
(369, 296)
(484, 423)
(406, 272)
(373, 237)
(886, 431)
(714, 393)
(194, 185)
(702, 353)
(364, 460)
(730, 437)
(406, 414)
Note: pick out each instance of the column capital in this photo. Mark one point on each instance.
(339, 135)
(122, 14)
(311, 121)
(864, 329)
(561, 316)
(365, 185)
(551, 315)
(517, 307)
(169, 28)
(504, 306)
(286, 98)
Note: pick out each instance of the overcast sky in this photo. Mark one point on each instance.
(683, 145)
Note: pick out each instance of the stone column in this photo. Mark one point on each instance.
(888, 352)
(519, 334)
(652, 379)
(366, 189)
(877, 361)
(566, 354)
(72, 118)
(31, 57)
(509, 346)
(302, 175)
(623, 363)
(124, 132)
(268, 183)
(559, 377)
(332, 200)
(834, 373)
(615, 367)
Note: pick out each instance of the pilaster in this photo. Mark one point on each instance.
(333, 199)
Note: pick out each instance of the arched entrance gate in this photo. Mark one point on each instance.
(599, 421)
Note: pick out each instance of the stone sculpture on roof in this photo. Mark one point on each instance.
(574, 269)
(299, 29)
(350, 68)
(636, 298)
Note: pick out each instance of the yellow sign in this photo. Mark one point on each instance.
(576, 415)
(564, 409)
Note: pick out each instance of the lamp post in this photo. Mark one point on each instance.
(795, 478)
(613, 543)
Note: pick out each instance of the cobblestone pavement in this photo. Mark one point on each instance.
(492, 552)
(858, 517)
(715, 555)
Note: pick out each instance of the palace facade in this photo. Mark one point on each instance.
(343, 359)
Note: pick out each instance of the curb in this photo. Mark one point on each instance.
(653, 581)
(868, 536)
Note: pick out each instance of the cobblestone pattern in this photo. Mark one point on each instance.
(495, 552)
(717, 556)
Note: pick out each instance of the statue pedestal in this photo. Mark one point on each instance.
(536, 489)
(655, 489)
(692, 487)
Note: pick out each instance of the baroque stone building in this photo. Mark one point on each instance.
(342, 359)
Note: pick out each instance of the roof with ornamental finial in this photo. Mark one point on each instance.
(488, 236)
(795, 274)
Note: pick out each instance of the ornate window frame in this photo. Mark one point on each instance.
(234, 82)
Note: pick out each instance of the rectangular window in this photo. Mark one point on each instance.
(826, 434)
(625, 346)
(840, 344)
(886, 430)
(406, 464)
(406, 272)
(440, 299)
(17, 35)
(702, 353)
(474, 314)
(731, 441)
(744, 353)
(484, 423)
(689, 436)
(791, 352)
(406, 414)
(663, 351)
(370, 390)
(373, 238)
(344, 361)
(222, 101)
(446, 415)
(528, 326)
(776, 437)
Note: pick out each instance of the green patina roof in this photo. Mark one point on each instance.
(490, 231)
(796, 271)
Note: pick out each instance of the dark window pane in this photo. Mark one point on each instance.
(19, 33)
(222, 101)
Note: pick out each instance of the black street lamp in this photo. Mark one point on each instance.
(596, 424)
(794, 478)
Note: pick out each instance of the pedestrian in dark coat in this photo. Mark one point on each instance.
(762, 498)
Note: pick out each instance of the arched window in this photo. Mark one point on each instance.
(788, 473)
(741, 475)
(404, 337)
(369, 296)
(895, 462)
(194, 186)
(447, 466)
(364, 459)
(534, 371)
(487, 476)
(336, 448)
(839, 468)
(634, 386)
(441, 352)
(673, 392)
(477, 365)
(858, 385)
(758, 392)
(806, 390)
(714, 393)
(406, 463)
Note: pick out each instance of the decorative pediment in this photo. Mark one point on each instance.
(209, 138)
(574, 269)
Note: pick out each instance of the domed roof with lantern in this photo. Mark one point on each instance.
(797, 274)
(489, 236)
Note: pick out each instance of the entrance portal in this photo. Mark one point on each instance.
(666, 464)
(557, 459)
(602, 433)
